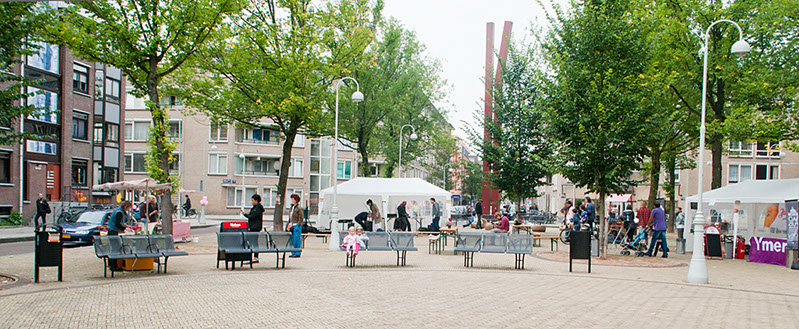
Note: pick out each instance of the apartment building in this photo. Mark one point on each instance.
(77, 128)
(742, 161)
(230, 163)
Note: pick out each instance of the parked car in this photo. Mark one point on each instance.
(82, 227)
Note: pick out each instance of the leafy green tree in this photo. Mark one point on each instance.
(472, 180)
(17, 27)
(148, 40)
(519, 152)
(278, 61)
(395, 77)
(597, 57)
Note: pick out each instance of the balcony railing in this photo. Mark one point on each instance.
(272, 173)
(258, 141)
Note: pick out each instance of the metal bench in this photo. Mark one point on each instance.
(282, 242)
(231, 248)
(520, 245)
(517, 244)
(383, 241)
(110, 249)
(139, 245)
(165, 245)
(402, 242)
(468, 243)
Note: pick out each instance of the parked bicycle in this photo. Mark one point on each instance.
(566, 230)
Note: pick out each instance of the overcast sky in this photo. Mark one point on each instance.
(454, 32)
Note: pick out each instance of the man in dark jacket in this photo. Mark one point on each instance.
(42, 209)
(478, 211)
(402, 217)
(255, 219)
(362, 219)
(186, 206)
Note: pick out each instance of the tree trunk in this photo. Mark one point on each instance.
(160, 128)
(654, 177)
(366, 171)
(603, 229)
(671, 166)
(285, 163)
(716, 150)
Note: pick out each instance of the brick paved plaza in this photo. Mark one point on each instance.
(432, 291)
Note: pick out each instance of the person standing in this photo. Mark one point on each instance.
(116, 222)
(591, 209)
(150, 210)
(377, 219)
(629, 222)
(436, 213)
(42, 209)
(478, 211)
(296, 220)
(680, 220)
(255, 219)
(659, 230)
(643, 215)
(186, 206)
(402, 217)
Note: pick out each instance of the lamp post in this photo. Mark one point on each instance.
(243, 175)
(413, 138)
(697, 270)
(201, 219)
(447, 169)
(357, 97)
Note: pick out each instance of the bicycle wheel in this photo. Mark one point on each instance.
(564, 236)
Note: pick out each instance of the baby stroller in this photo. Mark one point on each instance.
(638, 245)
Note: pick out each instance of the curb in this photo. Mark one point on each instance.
(17, 239)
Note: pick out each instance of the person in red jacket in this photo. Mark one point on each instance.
(643, 215)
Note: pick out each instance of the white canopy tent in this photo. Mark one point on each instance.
(762, 207)
(387, 193)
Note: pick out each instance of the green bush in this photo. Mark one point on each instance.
(14, 219)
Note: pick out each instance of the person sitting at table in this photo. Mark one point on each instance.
(504, 223)
(362, 219)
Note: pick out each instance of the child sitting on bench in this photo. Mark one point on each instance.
(351, 242)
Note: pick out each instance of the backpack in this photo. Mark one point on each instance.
(307, 228)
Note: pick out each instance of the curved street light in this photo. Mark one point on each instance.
(697, 270)
(413, 138)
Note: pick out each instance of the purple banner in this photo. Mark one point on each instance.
(767, 250)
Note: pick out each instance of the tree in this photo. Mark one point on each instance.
(395, 77)
(277, 61)
(17, 27)
(441, 149)
(148, 40)
(748, 99)
(598, 57)
(472, 180)
(518, 152)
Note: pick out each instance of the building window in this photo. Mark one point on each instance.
(137, 131)
(42, 147)
(112, 88)
(320, 170)
(299, 141)
(109, 175)
(260, 136)
(344, 169)
(270, 196)
(46, 103)
(170, 101)
(741, 149)
(80, 78)
(80, 124)
(134, 163)
(263, 166)
(5, 167)
(174, 166)
(739, 173)
(98, 134)
(99, 86)
(768, 149)
(174, 132)
(217, 163)
(112, 134)
(79, 169)
(295, 170)
(46, 57)
(765, 172)
(218, 132)
(289, 192)
(235, 198)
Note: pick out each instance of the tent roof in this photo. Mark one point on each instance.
(619, 198)
(388, 187)
(137, 184)
(753, 191)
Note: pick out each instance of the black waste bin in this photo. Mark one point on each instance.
(49, 249)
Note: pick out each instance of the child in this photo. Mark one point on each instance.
(351, 242)
(575, 219)
(362, 238)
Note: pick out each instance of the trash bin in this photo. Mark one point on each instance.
(48, 249)
(594, 246)
(729, 248)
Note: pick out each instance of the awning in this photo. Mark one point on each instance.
(619, 198)
(143, 184)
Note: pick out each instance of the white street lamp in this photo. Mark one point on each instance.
(697, 270)
(357, 97)
(413, 138)
(201, 218)
(243, 175)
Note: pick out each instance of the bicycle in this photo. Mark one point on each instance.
(565, 230)
(191, 213)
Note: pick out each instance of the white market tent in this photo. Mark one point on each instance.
(762, 207)
(387, 193)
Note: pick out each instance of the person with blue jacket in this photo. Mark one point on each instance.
(590, 208)
(116, 222)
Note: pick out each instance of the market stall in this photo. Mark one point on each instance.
(761, 218)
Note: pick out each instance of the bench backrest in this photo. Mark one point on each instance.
(102, 246)
(495, 242)
(254, 240)
(378, 240)
(137, 244)
(520, 243)
(162, 243)
(281, 239)
(341, 235)
(469, 240)
(230, 240)
(402, 239)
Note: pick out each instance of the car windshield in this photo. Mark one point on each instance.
(90, 217)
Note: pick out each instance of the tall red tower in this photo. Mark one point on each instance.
(491, 196)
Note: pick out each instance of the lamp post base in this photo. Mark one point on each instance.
(697, 269)
(333, 241)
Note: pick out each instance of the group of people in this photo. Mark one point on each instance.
(255, 221)
(403, 224)
(576, 216)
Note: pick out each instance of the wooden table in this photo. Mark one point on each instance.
(553, 241)
(522, 227)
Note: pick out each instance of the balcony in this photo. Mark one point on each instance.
(259, 141)
(271, 173)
